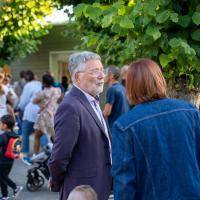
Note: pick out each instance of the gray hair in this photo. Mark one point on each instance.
(124, 69)
(86, 190)
(115, 71)
(77, 61)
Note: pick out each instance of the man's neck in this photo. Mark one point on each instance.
(83, 90)
(111, 82)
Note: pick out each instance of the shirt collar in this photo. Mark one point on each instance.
(88, 96)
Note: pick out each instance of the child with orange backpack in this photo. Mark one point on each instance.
(10, 145)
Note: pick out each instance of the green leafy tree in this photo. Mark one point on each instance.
(21, 26)
(167, 31)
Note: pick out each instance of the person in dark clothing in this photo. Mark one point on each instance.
(64, 83)
(7, 123)
(116, 101)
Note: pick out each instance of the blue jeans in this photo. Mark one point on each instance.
(27, 130)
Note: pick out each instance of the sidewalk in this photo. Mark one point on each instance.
(18, 174)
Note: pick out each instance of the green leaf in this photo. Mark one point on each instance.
(175, 42)
(154, 32)
(6, 17)
(107, 20)
(184, 21)
(80, 9)
(196, 47)
(116, 28)
(146, 20)
(174, 17)
(1, 44)
(30, 4)
(125, 22)
(196, 35)
(196, 18)
(121, 10)
(164, 60)
(181, 46)
(20, 23)
(97, 5)
(92, 41)
(93, 12)
(162, 17)
(149, 9)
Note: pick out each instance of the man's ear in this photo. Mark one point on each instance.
(76, 76)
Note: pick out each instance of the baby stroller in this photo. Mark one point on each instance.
(35, 180)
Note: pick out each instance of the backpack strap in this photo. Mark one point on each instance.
(5, 138)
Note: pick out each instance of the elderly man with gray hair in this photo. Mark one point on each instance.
(81, 152)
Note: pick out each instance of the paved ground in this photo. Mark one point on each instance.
(19, 173)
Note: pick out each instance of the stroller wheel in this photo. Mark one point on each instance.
(35, 184)
(40, 180)
(31, 187)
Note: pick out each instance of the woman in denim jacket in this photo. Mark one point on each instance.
(156, 145)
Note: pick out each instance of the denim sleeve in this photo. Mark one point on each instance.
(123, 167)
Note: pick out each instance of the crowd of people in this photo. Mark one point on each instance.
(32, 104)
(140, 145)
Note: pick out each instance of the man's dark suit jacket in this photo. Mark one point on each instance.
(80, 152)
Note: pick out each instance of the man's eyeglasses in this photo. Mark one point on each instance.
(94, 72)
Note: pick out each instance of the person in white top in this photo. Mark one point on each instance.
(5, 96)
(13, 96)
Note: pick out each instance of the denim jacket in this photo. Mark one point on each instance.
(156, 152)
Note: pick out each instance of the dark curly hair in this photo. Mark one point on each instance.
(8, 120)
(47, 80)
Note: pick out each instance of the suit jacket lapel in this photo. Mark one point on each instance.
(87, 105)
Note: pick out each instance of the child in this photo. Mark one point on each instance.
(7, 123)
(82, 192)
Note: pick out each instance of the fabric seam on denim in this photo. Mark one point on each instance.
(152, 116)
